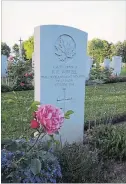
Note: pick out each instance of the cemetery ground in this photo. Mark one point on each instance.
(102, 103)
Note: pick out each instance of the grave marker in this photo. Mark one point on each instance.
(117, 65)
(106, 63)
(61, 68)
(3, 66)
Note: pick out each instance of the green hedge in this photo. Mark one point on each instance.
(6, 88)
(109, 139)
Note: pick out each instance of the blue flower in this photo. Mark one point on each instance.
(51, 150)
(26, 180)
(49, 168)
(52, 180)
(38, 180)
(50, 172)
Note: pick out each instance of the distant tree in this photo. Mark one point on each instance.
(16, 49)
(124, 52)
(29, 47)
(5, 49)
(119, 49)
(99, 49)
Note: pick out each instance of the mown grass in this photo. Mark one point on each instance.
(102, 101)
(105, 101)
(123, 72)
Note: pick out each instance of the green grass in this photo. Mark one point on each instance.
(101, 101)
(123, 72)
(105, 101)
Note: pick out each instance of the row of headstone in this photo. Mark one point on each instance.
(61, 69)
(4, 66)
(116, 64)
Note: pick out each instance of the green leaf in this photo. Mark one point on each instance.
(67, 117)
(13, 146)
(35, 103)
(49, 143)
(69, 113)
(34, 106)
(57, 142)
(35, 166)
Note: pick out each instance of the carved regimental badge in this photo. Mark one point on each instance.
(65, 47)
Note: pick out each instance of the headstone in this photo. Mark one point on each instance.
(3, 66)
(116, 65)
(111, 64)
(106, 63)
(61, 68)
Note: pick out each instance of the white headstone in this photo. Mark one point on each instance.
(106, 63)
(3, 66)
(61, 68)
(116, 65)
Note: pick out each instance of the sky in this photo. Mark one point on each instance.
(100, 19)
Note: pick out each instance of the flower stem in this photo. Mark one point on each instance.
(36, 141)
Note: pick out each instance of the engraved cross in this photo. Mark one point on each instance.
(64, 99)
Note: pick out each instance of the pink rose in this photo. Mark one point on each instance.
(30, 74)
(26, 75)
(21, 84)
(10, 58)
(50, 117)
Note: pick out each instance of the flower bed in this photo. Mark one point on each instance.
(29, 161)
(39, 165)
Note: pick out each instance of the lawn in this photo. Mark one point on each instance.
(123, 72)
(102, 101)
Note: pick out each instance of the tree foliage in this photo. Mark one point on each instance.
(29, 47)
(119, 49)
(99, 49)
(5, 49)
(16, 49)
